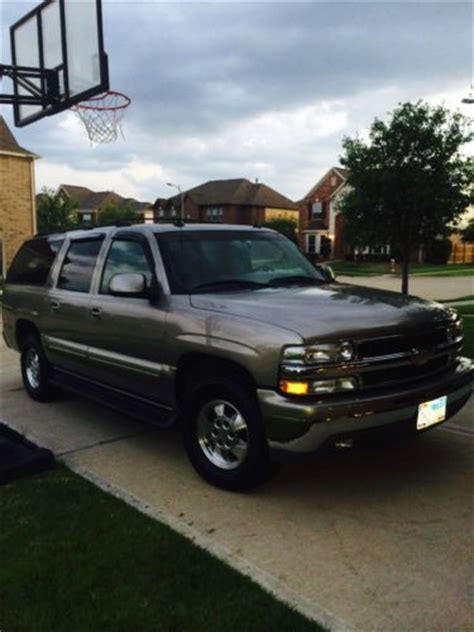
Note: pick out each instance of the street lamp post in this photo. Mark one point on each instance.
(176, 186)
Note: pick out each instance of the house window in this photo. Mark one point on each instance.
(333, 181)
(215, 213)
(173, 212)
(310, 243)
(316, 210)
(87, 218)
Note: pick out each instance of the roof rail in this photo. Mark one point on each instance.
(176, 221)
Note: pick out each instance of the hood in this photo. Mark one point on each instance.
(328, 311)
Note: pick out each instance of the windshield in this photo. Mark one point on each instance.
(199, 261)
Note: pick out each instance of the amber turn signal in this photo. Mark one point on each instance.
(294, 388)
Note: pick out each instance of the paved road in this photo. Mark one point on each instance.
(381, 537)
(426, 287)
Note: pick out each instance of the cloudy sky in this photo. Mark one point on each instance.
(251, 89)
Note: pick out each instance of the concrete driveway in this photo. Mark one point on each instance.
(442, 288)
(372, 539)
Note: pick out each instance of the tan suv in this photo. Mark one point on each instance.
(231, 331)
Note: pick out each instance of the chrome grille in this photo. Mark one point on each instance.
(390, 345)
(408, 358)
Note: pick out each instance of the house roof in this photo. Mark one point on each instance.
(9, 144)
(78, 194)
(238, 192)
(343, 173)
(88, 199)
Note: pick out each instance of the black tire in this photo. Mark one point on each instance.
(249, 471)
(35, 370)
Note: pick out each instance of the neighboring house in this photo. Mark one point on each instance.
(17, 195)
(90, 203)
(320, 218)
(237, 201)
(319, 215)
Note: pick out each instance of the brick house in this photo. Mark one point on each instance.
(319, 215)
(237, 201)
(17, 195)
(91, 202)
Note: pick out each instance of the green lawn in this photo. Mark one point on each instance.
(74, 558)
(465, 309)
(469, 297)
(350, 268)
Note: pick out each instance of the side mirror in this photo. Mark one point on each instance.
(327, 272)
(128, 284)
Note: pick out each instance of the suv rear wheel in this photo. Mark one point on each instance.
(225, 438)
(35, 370)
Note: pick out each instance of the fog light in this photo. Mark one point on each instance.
(294, 388)
(322, 387)
(347, 383)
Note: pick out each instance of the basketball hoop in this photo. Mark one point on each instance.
(102, 116)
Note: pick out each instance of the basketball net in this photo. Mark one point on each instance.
(102, 116)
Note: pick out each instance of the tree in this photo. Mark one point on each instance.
(55, 213)
(111, 214)
(409, 181)
(284, 225)
(467, 234)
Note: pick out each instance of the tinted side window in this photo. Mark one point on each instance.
(79, 263)
(125, 256)
(33, 262)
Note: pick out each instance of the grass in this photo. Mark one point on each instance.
(465, 310)
(349, 268)
(75, 558)
(469, 297)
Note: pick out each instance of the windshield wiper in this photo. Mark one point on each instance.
(228, 284)
(297, 279)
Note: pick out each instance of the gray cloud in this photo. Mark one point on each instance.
(203, 77)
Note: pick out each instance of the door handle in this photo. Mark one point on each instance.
(55, 306)
(96, 312)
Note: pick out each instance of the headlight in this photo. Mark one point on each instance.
(321, 353)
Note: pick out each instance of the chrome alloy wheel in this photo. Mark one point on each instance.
(222, 433)
(33, 368)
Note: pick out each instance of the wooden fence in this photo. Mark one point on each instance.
(462, 252)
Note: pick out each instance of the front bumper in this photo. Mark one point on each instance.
(296, 426)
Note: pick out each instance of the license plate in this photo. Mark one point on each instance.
(432, 412)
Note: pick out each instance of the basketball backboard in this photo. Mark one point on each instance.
(58, 59)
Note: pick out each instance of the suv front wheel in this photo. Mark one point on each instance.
(225, 438)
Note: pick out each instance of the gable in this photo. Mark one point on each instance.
(327, 186)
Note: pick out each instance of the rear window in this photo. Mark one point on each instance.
(78, 266)
(33, 262)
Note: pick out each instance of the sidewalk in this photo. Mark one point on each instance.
(425, 287)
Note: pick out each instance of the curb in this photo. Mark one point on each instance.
(265, 580)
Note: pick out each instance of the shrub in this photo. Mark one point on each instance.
(438, 251)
